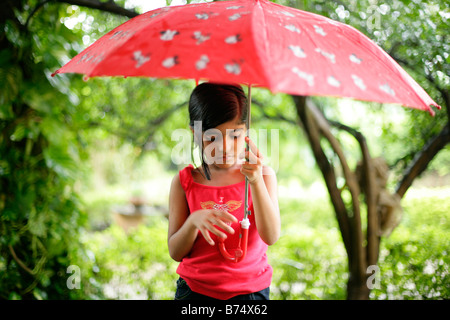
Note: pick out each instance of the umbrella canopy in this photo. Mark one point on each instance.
(254, 42)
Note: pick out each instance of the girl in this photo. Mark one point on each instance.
(206, 203)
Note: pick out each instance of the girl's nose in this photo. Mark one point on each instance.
(227, 145)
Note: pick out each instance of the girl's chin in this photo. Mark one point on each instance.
(226, 163)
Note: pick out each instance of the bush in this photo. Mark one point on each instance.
(414, 261)
(309, 260)
(136, 265)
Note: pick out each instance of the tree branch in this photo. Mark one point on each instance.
(38, 6)
(109, 6)
(371, 192)
(155, 123)
(20, 262)
(422, 159)
(433, 145)
(278, 115)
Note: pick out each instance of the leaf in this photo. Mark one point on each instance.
(6, 112)
(61, 162)
(37, 223)
(19, 133)
(10, 79)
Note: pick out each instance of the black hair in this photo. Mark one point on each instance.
(214, 104)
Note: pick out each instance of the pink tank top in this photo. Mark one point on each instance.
(204, 269)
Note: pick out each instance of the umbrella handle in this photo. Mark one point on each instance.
(241, 250)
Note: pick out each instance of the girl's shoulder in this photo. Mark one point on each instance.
(269, 171)
(184, 176)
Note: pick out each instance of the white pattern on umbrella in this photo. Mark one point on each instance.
(288, 14)
(328, 55)
(237, 16)
(309, 78)
(234, 7)
(233, 39)
(170, 62)
(292, 28)
(167, 35)
(202, 63)
(140, 58)
(332, 81)
(320, 31)
(386, 88)
(297, 51)
(201, 37)
(359, 82)
(204, 15)
(353, 58)
(233, 68)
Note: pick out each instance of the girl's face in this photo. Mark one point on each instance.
(224, 145)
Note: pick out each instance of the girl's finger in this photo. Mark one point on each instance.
(252, 158)
(207, 236)
(221, 224)
(253, 147)
(225, 226)
(225, 216)
(210, 224)
(249, 168)
(218, 233)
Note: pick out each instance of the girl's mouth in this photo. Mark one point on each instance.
(225, 158)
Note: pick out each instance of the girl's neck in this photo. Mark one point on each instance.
(219, 176)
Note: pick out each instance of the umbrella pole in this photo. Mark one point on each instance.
(241, 251)
(249, 104)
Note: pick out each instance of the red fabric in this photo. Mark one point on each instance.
(252, 42)
(204, 269)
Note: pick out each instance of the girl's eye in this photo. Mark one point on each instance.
(237, 136)
(211, 138)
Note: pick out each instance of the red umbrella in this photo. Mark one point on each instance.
(253, 42)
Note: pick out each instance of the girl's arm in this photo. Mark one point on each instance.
(263, 184)
(181, 236)
(184, 227)
(265, 205)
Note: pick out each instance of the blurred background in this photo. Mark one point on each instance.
(86, 166)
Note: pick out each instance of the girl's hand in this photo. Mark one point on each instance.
(206, 220)
(252, 167)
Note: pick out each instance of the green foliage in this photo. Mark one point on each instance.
(309, 260)
(55, 131)
(49, 128)
(40, 213)
(134, 266)
(414, 261)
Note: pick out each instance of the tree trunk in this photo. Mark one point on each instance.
(364, 181)
(349, 218)
(357, 290)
